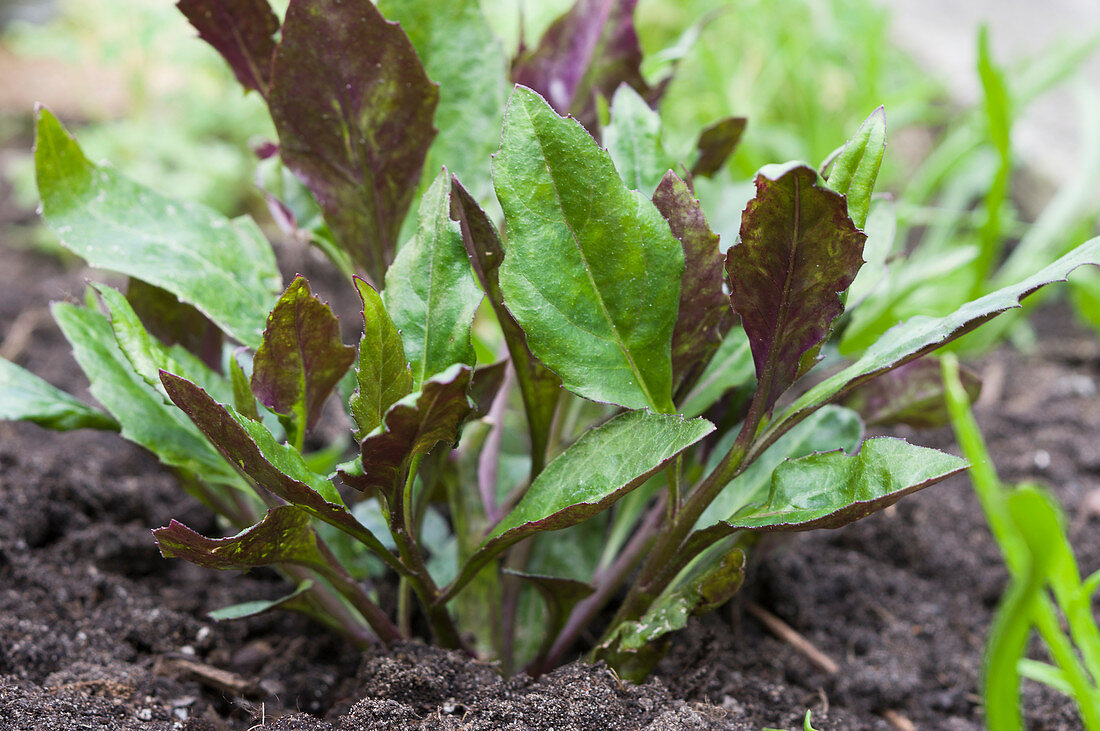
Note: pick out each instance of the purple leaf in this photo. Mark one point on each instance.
(302, 357)
(798, 250)
(716, 143)
(353, 109)
(702, 302)
(593, 48)
(172, 321)
(275, 467)
(910, 394)
(539, 387)
(283, 536)
(242, 31)
(485, 385)
(414, 425)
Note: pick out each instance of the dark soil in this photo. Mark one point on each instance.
(98, 632)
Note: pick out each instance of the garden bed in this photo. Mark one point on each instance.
(97, 631)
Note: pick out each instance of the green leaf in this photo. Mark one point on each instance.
(606, 463)
(278, 468)
(141, 411)
(633, 139)
(798, 251)
(830, 428)
(301, 358)
(243, 399)
(540, 388)
(353, 109)
(703, 305)
(431, 292)
(259, 606)
(560, 596)
(855, 168)
(147, 355)
(833, 489)
(592, 272)
(920, 335)
(283, 536)
(26, 397)
(383, 375)
(460, 53)
(413, 425)
(716, 143)
(224, 268)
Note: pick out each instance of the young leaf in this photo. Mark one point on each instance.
(278, 468)
(716, 143)
(283, 536)
(244, 401)
(353, 109)
(26, 397)
(413, 425)
(225, 269)
(606, 463)
(633, 139)
(460, 53)
(636, 645)
(431, 292)
(592, 272)
(855, 168)
(591, 49)
(832, 489)
(301, 358)
(260, 606)
(540, 388)
(242, 31)
(141, 411)
(703, 305)
(920, 335)
(910, 394)
(383, 374)
(798, 251)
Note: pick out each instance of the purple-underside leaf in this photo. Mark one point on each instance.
(283, 536)
(920, 335)
(592, 48)
(172, 321)
(242, 31)
(716, 143)
(413, 425)
(911, 394)
(540, 387)
(605, 464)
(353, 109)
(703, 305)
(302, 357)
(275, 467)
(798, 251)
(383, 375)
(485, 384)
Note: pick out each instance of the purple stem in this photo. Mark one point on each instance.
(488, 462)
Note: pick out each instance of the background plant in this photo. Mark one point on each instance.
(614, 305)
(1045, 593)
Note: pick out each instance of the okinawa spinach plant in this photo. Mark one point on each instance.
(516, 497)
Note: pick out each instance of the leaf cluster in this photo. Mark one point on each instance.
(643, 413)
